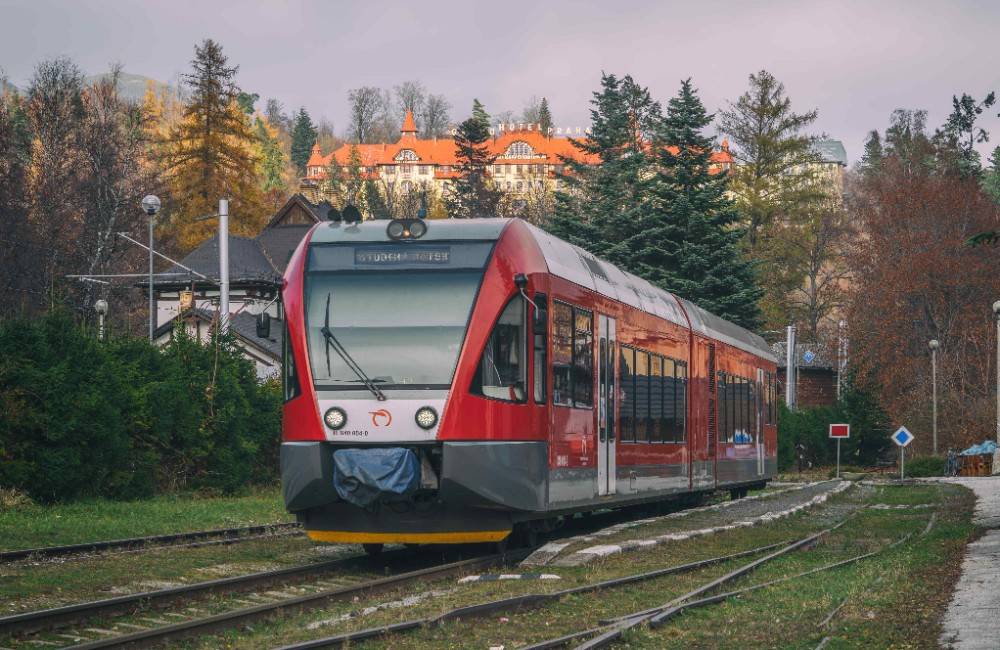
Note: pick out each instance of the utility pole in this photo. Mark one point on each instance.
(996, 454)
(223, 265)
(151, 205)
(934, 345)
(790, 373)
(841, 358)
(101, 307)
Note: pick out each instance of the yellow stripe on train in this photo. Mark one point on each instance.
(356, 537)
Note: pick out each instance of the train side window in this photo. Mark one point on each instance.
(668, 422)
(289, 376)
(641, 396)
(583, 358)
(740, 405)
(540, 325)
(656, 432)
(626, 378)
(503, 368)
(680, 402)
(562, 354)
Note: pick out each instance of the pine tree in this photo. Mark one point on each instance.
(602, 207)
(375, 200)
(991, 176)
(871, 159)
(544, 117)
(303, 138)
(272, 158)
(211, 154)
(692, 242)
(473, 194)
(480, 115)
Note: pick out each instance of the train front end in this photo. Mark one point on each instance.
(378, 314)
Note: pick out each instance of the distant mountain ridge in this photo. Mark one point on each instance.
(131, 86)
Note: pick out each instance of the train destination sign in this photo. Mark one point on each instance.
(397, 256)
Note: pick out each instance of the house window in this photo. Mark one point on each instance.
(407, 155)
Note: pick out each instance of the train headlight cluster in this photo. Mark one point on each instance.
(335, 418)
(426, 417)
(406, 229)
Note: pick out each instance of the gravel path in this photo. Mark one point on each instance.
(972, 621)
(683, 525)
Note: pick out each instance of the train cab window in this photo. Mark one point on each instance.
(626, 378)
(539, 328)
(572, 356)
(503, 367)
(656, 430)
(289, 376)
(680, 401)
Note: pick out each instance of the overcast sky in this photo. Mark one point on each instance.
(854, 61)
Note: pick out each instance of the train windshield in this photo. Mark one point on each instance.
(400, 328)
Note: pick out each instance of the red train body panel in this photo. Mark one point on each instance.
(511, 378)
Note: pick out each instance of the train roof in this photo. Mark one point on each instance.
(574, 264)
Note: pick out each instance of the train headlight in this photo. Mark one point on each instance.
(335, 418)
(426, 417)
(395, 229)
(417, 229)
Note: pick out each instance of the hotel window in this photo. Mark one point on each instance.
(520, 186)
(520, 149)
(408, 155)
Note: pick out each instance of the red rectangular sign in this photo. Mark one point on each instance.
(840, 431)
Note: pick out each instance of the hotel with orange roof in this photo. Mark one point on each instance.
(526, 160)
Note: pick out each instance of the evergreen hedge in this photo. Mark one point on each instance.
(124, 419)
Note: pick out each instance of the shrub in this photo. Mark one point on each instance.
(924, 466)
(124, 419)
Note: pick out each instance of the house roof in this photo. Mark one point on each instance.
(258, 260)
(832, 151)
(242, 324)
(409, 126)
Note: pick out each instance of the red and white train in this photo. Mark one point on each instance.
(449, 381)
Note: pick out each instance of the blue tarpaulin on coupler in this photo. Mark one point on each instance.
(363, 476)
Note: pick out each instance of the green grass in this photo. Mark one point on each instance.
(895, 599)
(32, 526)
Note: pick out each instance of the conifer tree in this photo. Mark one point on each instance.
(871, 159)
(473, 194)
(991, 176)
(602, 207)
(211, 153)
(692, 243)
(303, 138)
(272, 158)
(375, 200)
(544, 117)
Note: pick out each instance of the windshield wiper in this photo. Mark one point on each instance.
(331, 341)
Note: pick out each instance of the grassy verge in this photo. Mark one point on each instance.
(894, 599)
(31, 526)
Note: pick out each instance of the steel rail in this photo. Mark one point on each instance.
(58, 617)
(527, 600)
(234, 618)
(152, 541)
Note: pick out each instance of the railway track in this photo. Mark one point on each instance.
(146, 624)
(196, 538)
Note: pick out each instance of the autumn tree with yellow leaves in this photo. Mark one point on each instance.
(213, 153)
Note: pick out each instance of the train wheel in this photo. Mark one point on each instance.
(501, 547)
(373, 550)
(736, 493)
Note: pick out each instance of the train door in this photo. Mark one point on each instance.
(759, 415)
(606, 391)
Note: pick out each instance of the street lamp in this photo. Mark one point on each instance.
(151, 205)
(101, 307)
(996, 454)
(934, 344)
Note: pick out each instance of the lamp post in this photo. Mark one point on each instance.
(934, 345)
(996, 454)
(151, 205)
(101, 307)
